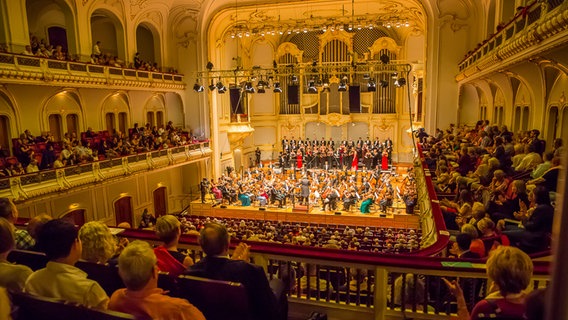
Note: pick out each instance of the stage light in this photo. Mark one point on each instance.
(221, 87)
(197, 87)
(371, 86)
(209, 65)
(325, 87)
(212, 86)
(400, 82)
(383, 83)
(312, 87)
(366, 76)
(249, 88)
(277, 88)
(294, 78)
(342, 87)
(260, 87)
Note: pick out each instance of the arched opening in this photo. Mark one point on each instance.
(148, 44)
(123, 122)
(150, 118)
(110, 122)
(107, 28)
(54, 23)
(525, 119)
(123, 210)
(160, 119)
(552, 126)
(55, 126)
(72, 123)
(160, 201)
(115, 111)
(77, 216)
(517, 119)
(4, 135)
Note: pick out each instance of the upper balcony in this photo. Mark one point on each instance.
(540, 23)
(16, 68)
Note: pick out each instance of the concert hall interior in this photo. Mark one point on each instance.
(375, 159)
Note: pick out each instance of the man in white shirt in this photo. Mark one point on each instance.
(60, 279)
(97, 49)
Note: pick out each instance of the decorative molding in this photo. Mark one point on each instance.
(384, 43)
(335, 119)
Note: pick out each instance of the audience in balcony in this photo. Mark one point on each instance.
(12, 276)
(509, 271)
(142, 298)
(60, 279)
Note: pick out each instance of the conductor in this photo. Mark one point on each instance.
(304, 190)
(203, 186)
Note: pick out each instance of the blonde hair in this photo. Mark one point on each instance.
(485, 224)
(470, 229)
(167, 228)
(136, 264)
(510, 268)
(99, 245)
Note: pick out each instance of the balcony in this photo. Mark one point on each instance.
(29, 69)
(45, 182)
(541, 23)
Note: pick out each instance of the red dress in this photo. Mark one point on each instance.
(299, 161)
(355, 162)
(385, 161)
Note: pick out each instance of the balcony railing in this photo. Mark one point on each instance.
(22, 67)
(521, 28)
(50, 181)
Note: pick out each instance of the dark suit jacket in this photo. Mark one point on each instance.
(262, 300)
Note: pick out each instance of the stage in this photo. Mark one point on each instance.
(394, 218)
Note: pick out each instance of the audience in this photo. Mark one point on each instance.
(12, 276)
(509, 270)
(60, 279)
(9, 212)
(137, 266)
(214, 241)
(99, 245)
(168, 230)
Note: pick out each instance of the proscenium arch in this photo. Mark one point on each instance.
(101, 15)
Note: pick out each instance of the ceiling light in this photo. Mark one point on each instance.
(212, 86)
(371, 86)
(249, 88)
(383, 83)
(325, 87)
(277, 88)
(312, 87)
(342, 87)
(366, 76)
(260, 87)
(294, 78)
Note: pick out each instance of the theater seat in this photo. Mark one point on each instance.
(32, 259)
(218, 300)
(28, 307)
(107, 276)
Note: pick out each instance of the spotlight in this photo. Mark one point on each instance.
(212, 86)
(197, 87)
(277, 88)
(371, 86)
(342, 87)
(400, 82)
(221, 87)
(384, 58)
(249, 88)
(366, 76)
(260, 87)
(294, 78)
(209, 65)
(312, 87)
(325, 87)
(383, 83)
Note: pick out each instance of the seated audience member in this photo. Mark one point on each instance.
(214, 241)
(34, 225)
(544, 166)
(99, 245)
(137, 266)
(12, 276)
(147, 221)
(414, 291)
(460, 248)
(5, 308)
(509, 271)
(550, 177)
(533, 232)
(60, 279)
(168, 230)
(477, 246)
(9, 212)
(491, 239)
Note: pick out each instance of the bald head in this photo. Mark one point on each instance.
(214, 239)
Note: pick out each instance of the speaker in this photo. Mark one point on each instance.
(338, 213)
(236, 101)
(293, 94)
(223, 207)
(354, 99)
(262, 209)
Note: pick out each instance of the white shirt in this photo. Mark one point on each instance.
(66, 282)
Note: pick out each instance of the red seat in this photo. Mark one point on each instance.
(11, 160)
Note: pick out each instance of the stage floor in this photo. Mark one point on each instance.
(394, 218)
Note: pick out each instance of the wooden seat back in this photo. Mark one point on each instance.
(32, 259)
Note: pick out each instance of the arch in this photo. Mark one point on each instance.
(153, 105)
(63, 103)
(147, 35)
(123, 210)
(382, 44)
(44, 15)
(469, 102)
(75, 216)
(175, 109)
(107, 27)
(160, 196)
(523, 102)
(8, 108)
(116, 104)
